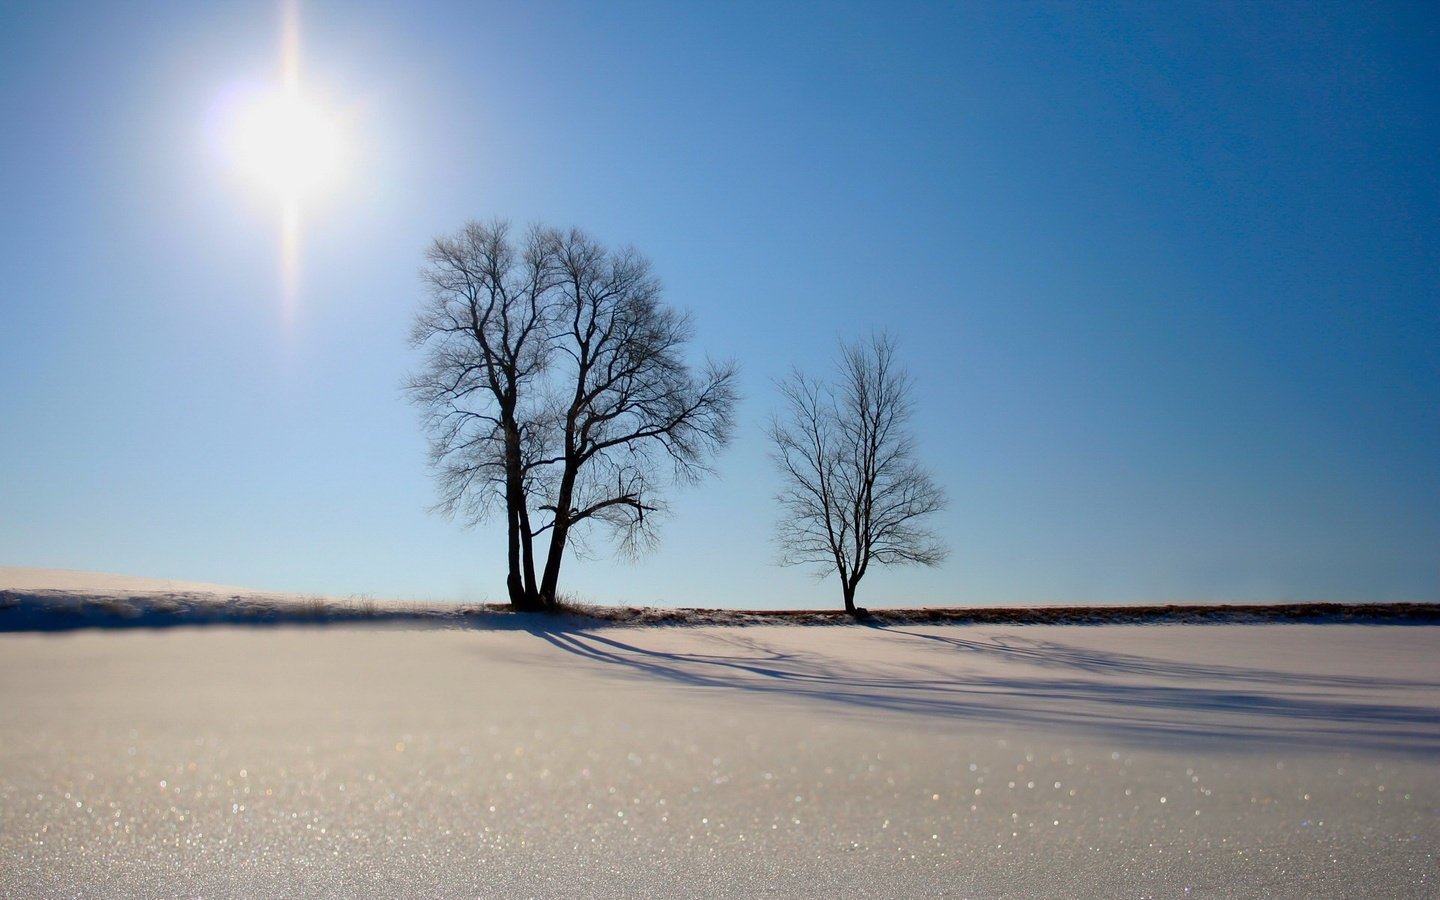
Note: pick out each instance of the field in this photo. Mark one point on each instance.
(561, 757)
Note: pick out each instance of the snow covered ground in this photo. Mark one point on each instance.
(555, 760)
(61, 600)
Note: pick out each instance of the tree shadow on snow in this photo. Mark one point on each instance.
(1145, 700)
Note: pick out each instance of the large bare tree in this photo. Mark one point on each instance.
(853, 492)
(555, 385)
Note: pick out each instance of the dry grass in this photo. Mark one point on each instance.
(60, 610)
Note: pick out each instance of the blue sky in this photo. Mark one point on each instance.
(1167, 276)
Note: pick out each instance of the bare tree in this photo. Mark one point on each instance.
(853, 493)
(486, 328)
(555, 382)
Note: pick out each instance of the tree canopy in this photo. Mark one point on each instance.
(556, 387)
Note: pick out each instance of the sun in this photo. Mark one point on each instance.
(287, 150)
(288, 145)
(279, 137)
(284, 146)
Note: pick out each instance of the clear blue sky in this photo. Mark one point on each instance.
(1167, 275)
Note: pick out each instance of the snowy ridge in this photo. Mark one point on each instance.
(61, 610)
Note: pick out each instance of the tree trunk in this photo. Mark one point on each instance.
(559, 535)
(527, 558)
(849, 597)
(564, 497)
(521, 578)
(551, 579)
(513, 582)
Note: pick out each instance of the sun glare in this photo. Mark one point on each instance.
(281, 139)
(287, 145)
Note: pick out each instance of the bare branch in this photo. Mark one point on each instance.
(556, 379)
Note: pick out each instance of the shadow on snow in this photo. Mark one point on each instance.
(1151, 701)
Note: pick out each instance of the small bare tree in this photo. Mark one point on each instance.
(555, 381)
(853, 493)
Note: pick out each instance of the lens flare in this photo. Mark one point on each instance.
(289, 147)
